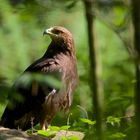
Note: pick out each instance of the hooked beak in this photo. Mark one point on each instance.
(48, 32)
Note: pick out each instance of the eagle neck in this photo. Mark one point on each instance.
(55, 49)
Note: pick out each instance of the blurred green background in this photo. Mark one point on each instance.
(22, 23)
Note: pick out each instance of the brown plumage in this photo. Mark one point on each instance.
(40, 102)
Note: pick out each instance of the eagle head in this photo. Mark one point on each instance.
(61, 35)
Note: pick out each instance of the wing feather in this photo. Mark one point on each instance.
(31, 105)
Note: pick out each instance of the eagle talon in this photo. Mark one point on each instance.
(53, 91)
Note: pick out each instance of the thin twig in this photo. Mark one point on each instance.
(83, 109)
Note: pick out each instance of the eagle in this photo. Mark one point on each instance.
(41, 101)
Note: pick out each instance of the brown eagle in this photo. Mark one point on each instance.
(40, 102)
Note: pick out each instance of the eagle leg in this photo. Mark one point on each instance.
(43, 126)
(45, 123)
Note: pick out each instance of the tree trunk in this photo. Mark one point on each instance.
(136, 23)
(95, 69)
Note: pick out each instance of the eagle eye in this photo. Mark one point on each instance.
(56, 32)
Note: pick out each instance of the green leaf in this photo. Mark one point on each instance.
(118, 135)
(112, 120)
(65, 127)
(119, 13)
(54, 128)
(44, 133)
(64, 138)
(88, 121)
(73, 138)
